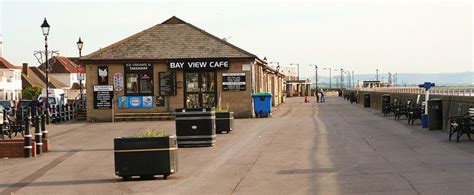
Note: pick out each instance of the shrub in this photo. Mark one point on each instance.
(152, 133)
(30, 92)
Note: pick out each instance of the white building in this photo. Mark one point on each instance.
(10, 81)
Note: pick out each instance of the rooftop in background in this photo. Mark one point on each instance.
(33, 76)
(62, 65)
(4, 64)
(172, 39)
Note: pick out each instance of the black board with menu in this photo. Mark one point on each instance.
(167, 83)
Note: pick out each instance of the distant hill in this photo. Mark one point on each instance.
(440, 79)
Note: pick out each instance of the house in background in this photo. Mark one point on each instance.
(10, 81)
(65, 70)
(33, 76)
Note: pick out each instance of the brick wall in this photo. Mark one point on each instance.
(14, 148)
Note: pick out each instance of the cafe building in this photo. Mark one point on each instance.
(175, 65)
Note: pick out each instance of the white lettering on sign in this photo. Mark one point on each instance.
(193, 64)
(176, 64)
(103, 88)
(234, 74)
(221, 64)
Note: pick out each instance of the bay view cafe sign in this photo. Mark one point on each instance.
(199, 64)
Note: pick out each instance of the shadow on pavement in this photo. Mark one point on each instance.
(59, 183)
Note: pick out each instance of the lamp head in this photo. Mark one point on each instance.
(79, 44)
(45, 27)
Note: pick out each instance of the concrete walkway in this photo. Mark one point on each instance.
(330, 148)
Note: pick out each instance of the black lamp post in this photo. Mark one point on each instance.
(79, 47)
(45, 28)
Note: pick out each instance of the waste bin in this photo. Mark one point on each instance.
(195, 126)
(435, 114)
(385, 103)
(366, 100)
(262, 103)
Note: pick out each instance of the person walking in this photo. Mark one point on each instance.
(322, 95)
(316, 92)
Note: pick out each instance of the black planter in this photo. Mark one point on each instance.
(145, 157)
(195, 127)
(224, 122)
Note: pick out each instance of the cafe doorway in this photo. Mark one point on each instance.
(200, 89)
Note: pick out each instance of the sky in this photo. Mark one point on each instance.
(404, 36)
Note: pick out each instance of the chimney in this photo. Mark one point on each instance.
(24, 70)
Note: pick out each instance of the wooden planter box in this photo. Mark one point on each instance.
(224, 122)
(145, 157)
(195, 127)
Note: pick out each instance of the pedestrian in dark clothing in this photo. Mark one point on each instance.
(322, 95)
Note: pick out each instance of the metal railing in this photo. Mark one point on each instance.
(417, 90)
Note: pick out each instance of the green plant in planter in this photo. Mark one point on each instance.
(224, 119)
(222, 109)
(152, 133)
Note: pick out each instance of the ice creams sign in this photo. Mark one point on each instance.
(199, 64)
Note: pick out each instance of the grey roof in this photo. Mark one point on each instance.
(172, 39)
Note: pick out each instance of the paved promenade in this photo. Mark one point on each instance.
(330, 148)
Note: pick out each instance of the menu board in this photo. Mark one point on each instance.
(167, 83)
(103, 95)
(233, 81)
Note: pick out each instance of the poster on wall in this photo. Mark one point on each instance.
(103, 95)
(160, 101)
(125, 102)
(118, 81)
(233, 81)
(103, 75)
(167, 83)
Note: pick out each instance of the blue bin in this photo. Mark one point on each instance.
(262, 103)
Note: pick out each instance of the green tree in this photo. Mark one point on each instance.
(30, 92)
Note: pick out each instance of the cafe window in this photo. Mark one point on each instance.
(139, 79)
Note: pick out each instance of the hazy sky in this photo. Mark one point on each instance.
(359, 35)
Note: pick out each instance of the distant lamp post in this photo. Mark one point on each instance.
(330, 77)
(298, 69)
(81, 74)
(342, 78)
(315, 74)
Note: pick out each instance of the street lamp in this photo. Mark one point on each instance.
(45, 28)
(377, 74)
(342, 78)
(298, 69)
(330, 82)
(315, 74)
(81, 75)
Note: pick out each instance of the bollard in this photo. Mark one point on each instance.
(48, 117)
(27, 144)
(43, 126)
(38, 141)
(68, 112)
(62, 113)
(4, 116)
(73, 111)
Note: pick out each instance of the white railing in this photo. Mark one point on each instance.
(417, 90)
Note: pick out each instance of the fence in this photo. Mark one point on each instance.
(417, 90)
